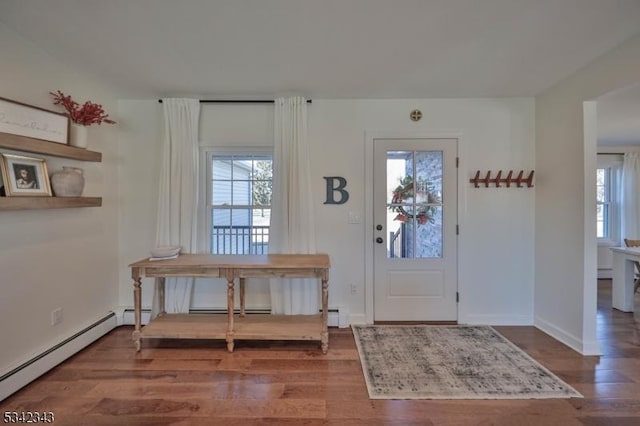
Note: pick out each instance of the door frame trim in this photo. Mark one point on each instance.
(370, 137)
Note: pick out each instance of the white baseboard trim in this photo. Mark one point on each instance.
(128, 317)
(496, 320)
(591, 349)
(358, 319)
(574, 342)
(33, 368)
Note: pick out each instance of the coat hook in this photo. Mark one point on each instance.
(529, 180)
(508, 180)
(487, 179)
(498, 180)
(476, 179)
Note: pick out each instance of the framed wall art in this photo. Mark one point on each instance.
(24, 176)
(17, 118)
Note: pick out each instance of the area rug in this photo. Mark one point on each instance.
(451, 362)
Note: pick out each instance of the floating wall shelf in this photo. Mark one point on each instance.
(41, 203)
(37, 146)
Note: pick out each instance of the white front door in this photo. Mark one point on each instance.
(415, 219)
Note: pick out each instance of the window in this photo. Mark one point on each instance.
(603, 202)
(608, 179)
(239, 203)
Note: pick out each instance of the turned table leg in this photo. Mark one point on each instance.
(161, 308)
(230, 306)
(137, 301)
(242, 283)
(324, 335)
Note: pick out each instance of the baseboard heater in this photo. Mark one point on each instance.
(19, 376)
(222, 311)
(237, 311)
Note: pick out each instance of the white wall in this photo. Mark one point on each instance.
(56, 258)
(565, 254)
(139, 174)
(496, 242)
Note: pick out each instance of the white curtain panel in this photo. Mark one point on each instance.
(629, 196)
(178, 200)
(292, 223)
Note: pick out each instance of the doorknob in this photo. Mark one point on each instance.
(379, 227)
(379, 240)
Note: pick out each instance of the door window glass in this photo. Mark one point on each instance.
(414, 204)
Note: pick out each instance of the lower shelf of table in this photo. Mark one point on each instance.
(249, 327)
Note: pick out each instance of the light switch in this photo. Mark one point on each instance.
(354, 217)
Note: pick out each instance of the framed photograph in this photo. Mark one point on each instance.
(21, 119)
(24, 176)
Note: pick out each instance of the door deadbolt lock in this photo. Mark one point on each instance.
(379, 227)
(379, 240)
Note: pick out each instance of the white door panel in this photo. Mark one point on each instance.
(415, 215)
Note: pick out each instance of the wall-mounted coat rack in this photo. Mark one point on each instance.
(519, 180)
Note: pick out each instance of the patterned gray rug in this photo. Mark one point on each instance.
(451, 362)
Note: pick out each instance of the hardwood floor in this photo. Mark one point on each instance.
(199, 383)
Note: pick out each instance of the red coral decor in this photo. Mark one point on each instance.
(87, 114)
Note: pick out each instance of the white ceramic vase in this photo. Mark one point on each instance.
(68, 183)
(78, 135)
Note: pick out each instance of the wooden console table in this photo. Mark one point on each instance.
(245, 327)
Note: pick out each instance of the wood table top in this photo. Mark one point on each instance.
(273, 261)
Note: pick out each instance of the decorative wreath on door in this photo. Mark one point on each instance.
(406, 190)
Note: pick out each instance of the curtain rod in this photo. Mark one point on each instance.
(237, 101)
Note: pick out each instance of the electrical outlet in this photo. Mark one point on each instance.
(56, 316)
(354, 289)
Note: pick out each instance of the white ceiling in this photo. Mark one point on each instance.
(326, 48)
(619, 117)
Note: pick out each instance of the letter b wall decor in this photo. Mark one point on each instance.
(336, 184)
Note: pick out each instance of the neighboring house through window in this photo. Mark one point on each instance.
(239, 191)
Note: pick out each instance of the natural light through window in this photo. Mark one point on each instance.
(240, 203)
(603, 201)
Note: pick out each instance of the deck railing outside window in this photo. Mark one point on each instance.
(239, 240)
